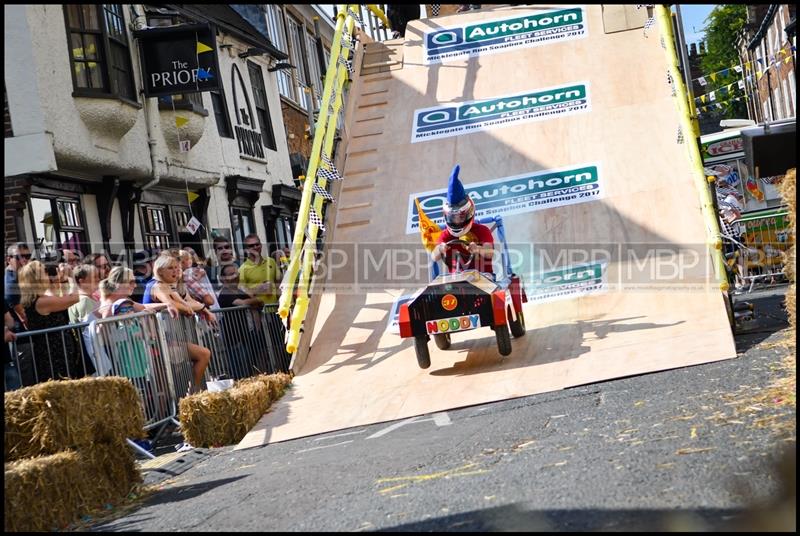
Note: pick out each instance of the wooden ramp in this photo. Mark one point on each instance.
(619, 278)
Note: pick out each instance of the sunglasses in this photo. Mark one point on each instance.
(248, 246)
(23, 256)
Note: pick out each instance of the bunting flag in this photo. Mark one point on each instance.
(322, 192)
(649, 23)
(203, 48)
(428, 229)
(772, 180)
(192, 196)
(724, 72)
(346, 63)
(712, 96)
(328, 175)
(740, 84)
(702, 81)
(703, 99)
(788, 58)
(314, 218)
(180, 121)
(752, 188)
(759, 74)
(737, 68)
(202, 74)
(356, 17)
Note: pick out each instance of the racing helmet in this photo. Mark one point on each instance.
(459, 208)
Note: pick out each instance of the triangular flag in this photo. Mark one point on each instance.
(725, 72)
(740, 84)
(702, 81)
(322, 192)
(737, 68)
(713, 77)
(759, 74)
(712, 96)
(203, 48)
(428, 229)
(202, 74)
(180, 121)
(314, 218)
(729, 86)
(786, 60)
(760, 61)
(703, 99)
(783, 50)
(192, 196)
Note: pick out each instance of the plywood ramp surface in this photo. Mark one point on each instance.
(640, 321)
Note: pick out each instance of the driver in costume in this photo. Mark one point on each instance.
(476, 238)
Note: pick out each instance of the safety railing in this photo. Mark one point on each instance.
(297, 278)
(152, 351)
(756, 247)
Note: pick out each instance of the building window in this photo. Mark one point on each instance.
(284, 232)
(155, 227)
(277, 34)
(262, 107)
(99, 50)
(221, 114)
(298, 59)
(58, 224)
(314, 68)
(242, 224)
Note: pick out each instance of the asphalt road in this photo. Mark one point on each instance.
(677, 450)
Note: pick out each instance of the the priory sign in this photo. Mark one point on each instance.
(182, 59)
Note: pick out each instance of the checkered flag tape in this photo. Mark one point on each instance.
(649, 23)
(346, 63)
(323, 192)
(356, 17)
(640, 6)
(328, 174)
(435, 10)
(671, 82)
(327, 161)
(314, 218)
(346, 42)
(680, 135)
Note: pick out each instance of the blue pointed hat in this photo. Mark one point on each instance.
(455, 190)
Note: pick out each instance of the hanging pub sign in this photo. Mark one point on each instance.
(181, 59)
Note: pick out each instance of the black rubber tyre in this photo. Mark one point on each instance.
(517, 326)
(423, 355)
(503, 339)
(442, 340)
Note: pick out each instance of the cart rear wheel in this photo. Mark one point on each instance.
(503, 339)
(517, 326)
(423, 355)
(442, 340)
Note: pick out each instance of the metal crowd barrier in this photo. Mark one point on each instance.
(51, 353)
(150, 349)
(757, 252)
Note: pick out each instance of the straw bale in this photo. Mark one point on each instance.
(788, 190)
(224, 418)
(66, 414)
(49, 492)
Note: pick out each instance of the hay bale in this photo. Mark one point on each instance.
(49, 492)
(224, 418)
(69, 414)
(788, 190)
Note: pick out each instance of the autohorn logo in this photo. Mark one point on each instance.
(502, 35)
(475, 116)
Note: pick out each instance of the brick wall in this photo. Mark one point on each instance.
(295, 122)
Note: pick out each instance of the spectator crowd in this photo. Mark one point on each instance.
(46, 293)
